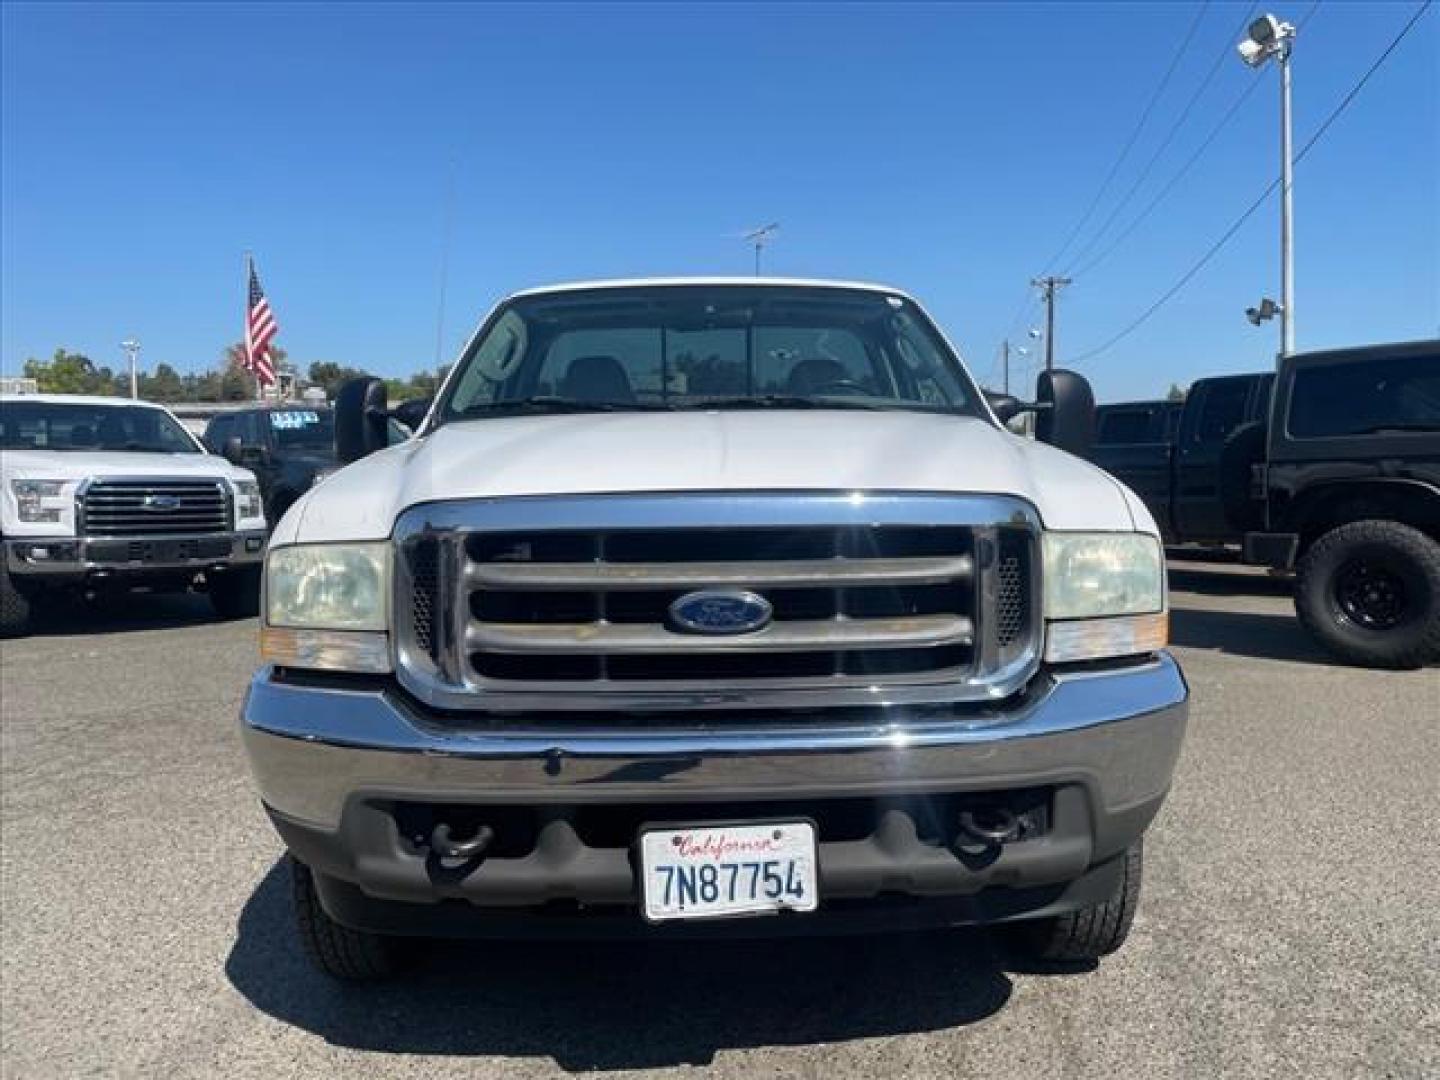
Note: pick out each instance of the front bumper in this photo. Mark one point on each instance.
(339, 770)
(84, 556)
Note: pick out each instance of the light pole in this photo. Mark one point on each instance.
(1269, 37)
(132, 350)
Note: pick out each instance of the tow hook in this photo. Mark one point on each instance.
(447, 848)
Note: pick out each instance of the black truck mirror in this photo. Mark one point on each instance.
(1065, 417)
(360, 416)
(1004, 406)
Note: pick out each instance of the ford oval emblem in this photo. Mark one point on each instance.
(160, 502)
(721, 611)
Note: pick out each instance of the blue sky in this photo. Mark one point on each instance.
(948, 150)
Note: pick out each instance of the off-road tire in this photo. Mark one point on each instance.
(235, 594)
(1090, 933)
(338, 951)
(14, 608)
(1406, 551)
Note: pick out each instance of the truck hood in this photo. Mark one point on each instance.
(616, 453)
(77, 465)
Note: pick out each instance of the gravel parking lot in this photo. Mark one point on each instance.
(1289, 926)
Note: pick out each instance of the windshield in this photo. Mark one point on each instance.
(45, 425)
(711, 347)
(304, 429)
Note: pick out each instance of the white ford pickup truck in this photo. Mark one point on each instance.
(103, 494)
(709, 607)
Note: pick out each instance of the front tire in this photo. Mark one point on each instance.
(1093, 932)
(14, 607)
(235, 594)
(338, 951)
(1369, 591)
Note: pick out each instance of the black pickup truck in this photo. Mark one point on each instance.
(288, 447)
(1331, 469)
(1170, 453)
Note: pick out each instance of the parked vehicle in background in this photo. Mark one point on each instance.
(694, 600)
(1174, 462)
(102, 494)
(289, 447)
(1346, 489)
(1127, 423)
(1338, 478)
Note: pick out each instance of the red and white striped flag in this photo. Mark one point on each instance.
(260, 329)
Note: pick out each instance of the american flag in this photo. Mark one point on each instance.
(260, 329)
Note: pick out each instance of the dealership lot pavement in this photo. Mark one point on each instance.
(1289, 926)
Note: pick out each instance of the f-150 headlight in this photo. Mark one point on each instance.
(326, 606)
(35, 499)
(1104, 595)
(247, 500)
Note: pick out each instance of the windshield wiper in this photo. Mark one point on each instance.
(542, 404)
(788, 401)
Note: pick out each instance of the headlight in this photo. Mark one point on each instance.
(32, 495)
(328, 586)
(247, 500)
(1104, 595)
(326, 606)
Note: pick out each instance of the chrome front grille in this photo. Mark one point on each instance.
(146, 507)
(566, 603)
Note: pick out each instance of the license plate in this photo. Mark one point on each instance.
(710, 871)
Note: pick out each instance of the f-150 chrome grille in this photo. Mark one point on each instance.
(154, 507)
(560, 611)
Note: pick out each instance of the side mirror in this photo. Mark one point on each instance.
(232, 449)
(412, 412)
(360, 415)
(1005, 407)
(1066, 415)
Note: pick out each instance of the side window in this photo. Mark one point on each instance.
(1121, 426)
(252, 433)
(1366, 397)
(218, 432)
(1173, 413)
(1222, 411)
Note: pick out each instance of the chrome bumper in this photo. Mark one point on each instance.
(73, 555)
(315, 750)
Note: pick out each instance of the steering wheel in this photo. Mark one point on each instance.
(841, 386)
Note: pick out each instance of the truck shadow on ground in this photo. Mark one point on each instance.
(120, 613)
(1226, 582)
(624, 1005)
(1257, 635)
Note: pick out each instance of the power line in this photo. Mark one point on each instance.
(1250, 210)
(1130, 142)
(1184, 169)
(1164, 143)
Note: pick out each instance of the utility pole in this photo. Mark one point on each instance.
(1048, 287)
(1005, 362)
(132, 350)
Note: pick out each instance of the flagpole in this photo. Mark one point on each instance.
(249, 273)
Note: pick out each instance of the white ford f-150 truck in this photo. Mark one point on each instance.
(100, 494)
(709, 607)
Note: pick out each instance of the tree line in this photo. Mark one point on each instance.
(75, 373)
